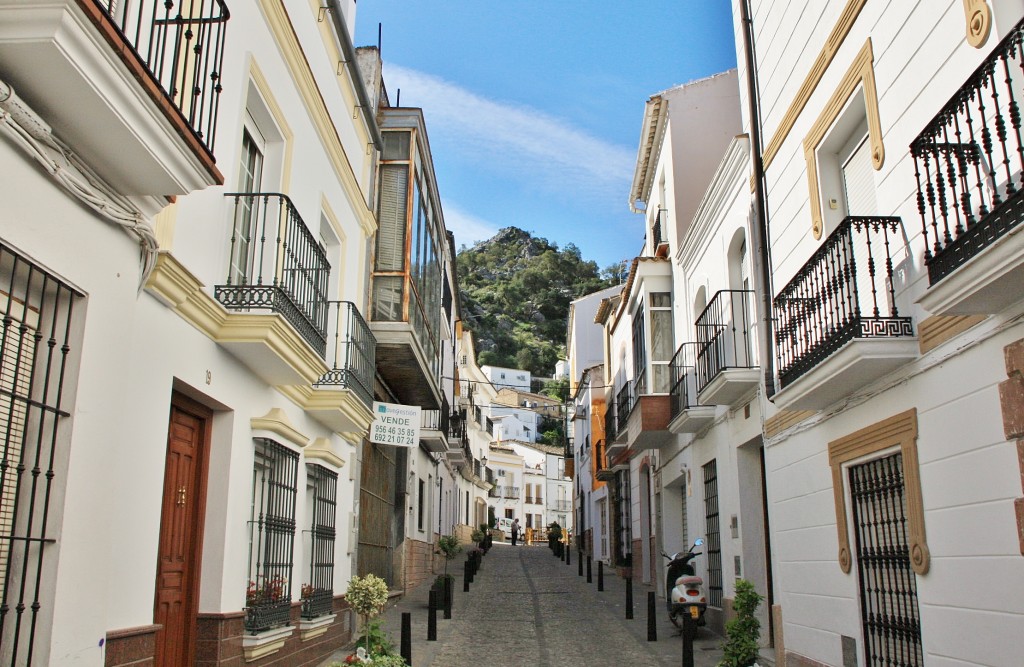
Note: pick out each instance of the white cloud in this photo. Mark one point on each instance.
(468, 229)
(520, 142)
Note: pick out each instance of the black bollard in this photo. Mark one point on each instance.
(568, 555)
(600, 575)
(590, 579)
(579, 564)
(629, 598)
(652, 624)
(432, 617)
(689, 632)
(407, 636)
(467, 572)
(449, 593)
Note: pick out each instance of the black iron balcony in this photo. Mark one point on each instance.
(726, 366)
(656, 234)
(494, 492)
(687, 415)
(843, 293)
(351, 354)
(277, 265)
(969, 167)
(624, 400)
(488, 475)
(181, 46)
(969, 163)
(435, 425)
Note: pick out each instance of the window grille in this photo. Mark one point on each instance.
(888, 587)
(36, 312)
(271, 536)
(713, 545)
(318, 594)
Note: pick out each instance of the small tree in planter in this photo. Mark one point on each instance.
(367, 596)
(743, 632)
(449, 547)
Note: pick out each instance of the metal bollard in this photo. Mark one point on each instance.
(652, 624)
(568, 556)
(689, 632)
(407, 637)
(629, 598)
(449, 593)
(590, 579)
(579, 563)
(467, 576)
(432, 617)
(600, 575)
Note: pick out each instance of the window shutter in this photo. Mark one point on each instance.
(394, 186)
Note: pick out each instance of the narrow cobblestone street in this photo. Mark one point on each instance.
(526, 607)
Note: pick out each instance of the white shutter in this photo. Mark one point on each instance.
(394, 186)
(859, 181)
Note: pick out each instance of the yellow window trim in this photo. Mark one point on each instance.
(861, 73)
(899, 430)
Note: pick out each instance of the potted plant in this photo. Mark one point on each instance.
(266, 603)
(367, 597)
(449, 547)
(743, 632)
(554, 534)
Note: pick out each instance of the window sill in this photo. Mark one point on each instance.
(310, 628)
(265, 643)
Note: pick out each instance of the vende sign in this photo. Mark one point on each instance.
(395, 424)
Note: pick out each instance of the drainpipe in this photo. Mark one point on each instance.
(352, 67)
(759, 230)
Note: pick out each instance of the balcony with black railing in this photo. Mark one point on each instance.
(838, 327)
(434, 427)
(145, 78)
(687, 413)
(659, 242)
(276, 266)
(969, 166)
(645, 425)
(458, 436)
(727, 370)
(343, 396)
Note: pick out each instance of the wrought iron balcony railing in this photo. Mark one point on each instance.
(437, 420)
(969, 162)
(611, 424)
(510, 492)
(844, 291)
(352, 353)
(494, 492)
(457, 427)
(656, 234)
(488, 475)
(561, 505)
(277, 265)
(683, 393)
(181, 46)
(724, 335)
(624, 402)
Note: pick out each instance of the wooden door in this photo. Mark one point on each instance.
(181, 532)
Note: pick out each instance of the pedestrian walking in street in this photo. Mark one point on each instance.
(515, 532)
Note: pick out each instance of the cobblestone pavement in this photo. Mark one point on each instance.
(527, 608)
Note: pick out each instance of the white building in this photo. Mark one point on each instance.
(890, 143)
(513, 378)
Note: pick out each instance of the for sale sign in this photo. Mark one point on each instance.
(395, 424)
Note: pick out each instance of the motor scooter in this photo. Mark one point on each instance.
(685, 589)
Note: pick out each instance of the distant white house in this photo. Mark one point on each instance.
(513, 378)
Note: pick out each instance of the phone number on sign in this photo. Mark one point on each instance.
(389, 435)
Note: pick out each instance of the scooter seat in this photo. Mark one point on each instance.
(689, 580)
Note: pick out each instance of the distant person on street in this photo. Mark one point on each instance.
(515, 532)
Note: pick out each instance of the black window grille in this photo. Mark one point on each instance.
(713, 538)
(271, 536)
(318, 593)
(888, 587)
(35, 347)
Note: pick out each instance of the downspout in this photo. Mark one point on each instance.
(348, 51)
(759, 230)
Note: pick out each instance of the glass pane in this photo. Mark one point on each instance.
(661, 300)
(387, 298)
(661, 335)
(396, 145)
(662, 378)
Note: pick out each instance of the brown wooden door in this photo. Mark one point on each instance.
(181, 532)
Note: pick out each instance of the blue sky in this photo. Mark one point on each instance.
(533, 109)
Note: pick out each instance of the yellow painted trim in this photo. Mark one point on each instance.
(821, 63)
(898, 430)
(861, 73)
(979, 22)
(277, 422)
(936, 330)
(263, 86)
(288, 44)
(163, 224)
(320, 449)
(180, 290)
(783, 420)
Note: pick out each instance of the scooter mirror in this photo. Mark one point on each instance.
(699, 541)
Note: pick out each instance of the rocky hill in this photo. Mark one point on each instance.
(515, 292)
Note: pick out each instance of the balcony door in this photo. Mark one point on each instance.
(858, 178)
(250, 175)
